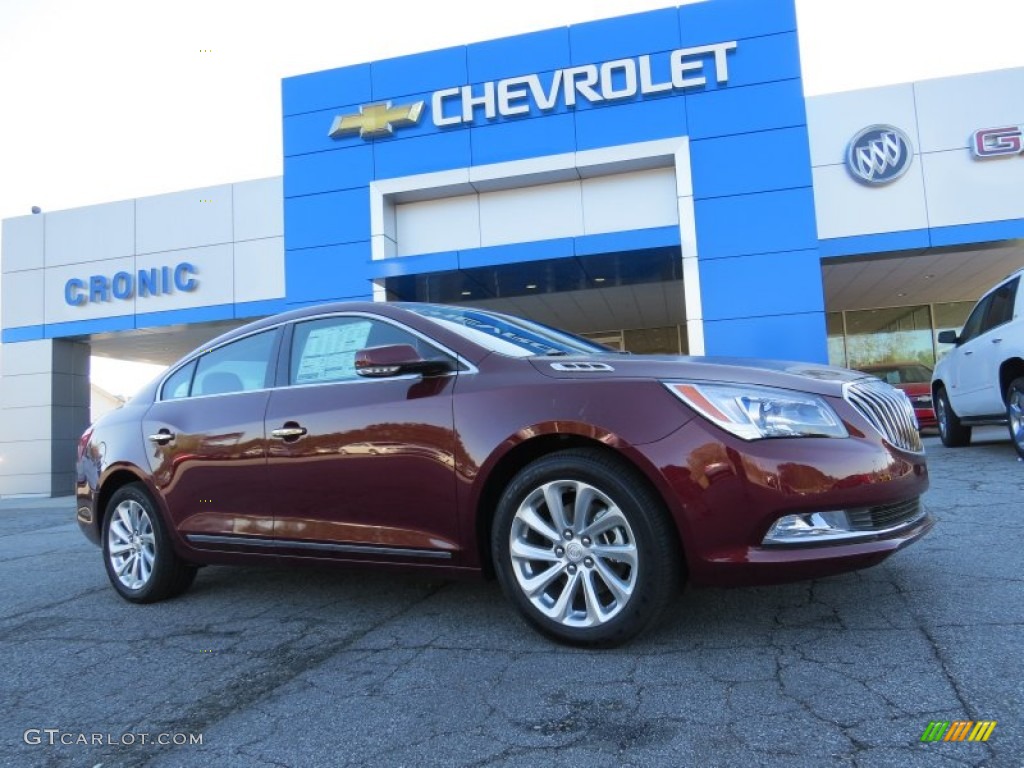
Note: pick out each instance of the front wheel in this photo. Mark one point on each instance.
(1015, 413)
(584, 549)
(953, 433)
(140, 559)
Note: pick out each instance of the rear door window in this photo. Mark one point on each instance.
(973, 325)
(177, 385)
(240, 366)
(1000, 309)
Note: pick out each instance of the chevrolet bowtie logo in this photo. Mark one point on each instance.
(376, 120)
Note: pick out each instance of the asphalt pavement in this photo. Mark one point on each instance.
(305, 667)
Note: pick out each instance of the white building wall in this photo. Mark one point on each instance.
(234, 236)
(619, 202)
(945, 185)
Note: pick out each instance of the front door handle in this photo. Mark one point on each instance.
(996, 341)
(162, 437)
(290, 431)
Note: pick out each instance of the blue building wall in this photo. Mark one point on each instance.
(756, 234)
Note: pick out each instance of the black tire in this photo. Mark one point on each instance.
(1015, 413)
(141, 538)
(953, 433)
(592, 572)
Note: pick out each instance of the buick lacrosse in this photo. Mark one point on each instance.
(591, 484)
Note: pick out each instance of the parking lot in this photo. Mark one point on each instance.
(273, 667)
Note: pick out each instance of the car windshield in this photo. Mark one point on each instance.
(902, 374)
(506, 335)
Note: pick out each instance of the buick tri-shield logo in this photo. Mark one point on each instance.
(879, 154)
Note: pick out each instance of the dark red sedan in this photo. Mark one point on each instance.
(915, 380)
(592, 484)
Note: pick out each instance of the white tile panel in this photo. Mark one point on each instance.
(951, 109)
(92, 233)
(214, 272)
(27, 390)
(23, 238)
(687, 228)
(627, 157)
(834, 119)
(534, 213)
(624, 201)
(20, 484)
(23, 298)
(425, 186)
(382, 214)
(448, 224)
(183, 219)
(382, 247)
(57, 310)
(26, 357)
(520, 173)
(259, 269)
(846, 207)
(25, 456)
(29, 423)
(963, 190)
(684, 178)
(258, 209)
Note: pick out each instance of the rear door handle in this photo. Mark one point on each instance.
(996, 341)
(290, 431)
(162, 437)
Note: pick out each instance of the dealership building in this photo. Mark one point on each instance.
(657, 181)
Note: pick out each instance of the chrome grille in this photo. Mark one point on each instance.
(888, 410)
(885, 516)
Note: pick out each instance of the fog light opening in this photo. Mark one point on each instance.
(809, 527)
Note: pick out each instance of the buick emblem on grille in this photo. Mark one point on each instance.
(879, 154)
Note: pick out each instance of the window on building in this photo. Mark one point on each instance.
(836, 339)
(898, 334)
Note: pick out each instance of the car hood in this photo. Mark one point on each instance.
(801, 376)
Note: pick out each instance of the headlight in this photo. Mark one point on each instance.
(753, 412)
(921, 400)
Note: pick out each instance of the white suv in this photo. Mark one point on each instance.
(981, 381)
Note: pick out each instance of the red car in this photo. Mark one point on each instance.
(915, 380)
(591, 483)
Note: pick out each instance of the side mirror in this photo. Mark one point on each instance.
(947, 337)
(396, 360)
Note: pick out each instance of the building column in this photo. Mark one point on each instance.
(44, 408)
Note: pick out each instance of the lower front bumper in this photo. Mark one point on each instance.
(778, 565)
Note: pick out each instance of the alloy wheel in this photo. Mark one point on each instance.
(131, 544)
(574, 554)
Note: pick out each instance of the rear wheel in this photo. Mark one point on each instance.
(584, 549)
(953, 433)
(137, 551)
(1015, 413)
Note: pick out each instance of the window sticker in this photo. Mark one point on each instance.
(329, 352)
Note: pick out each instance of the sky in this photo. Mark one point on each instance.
(111, 99)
